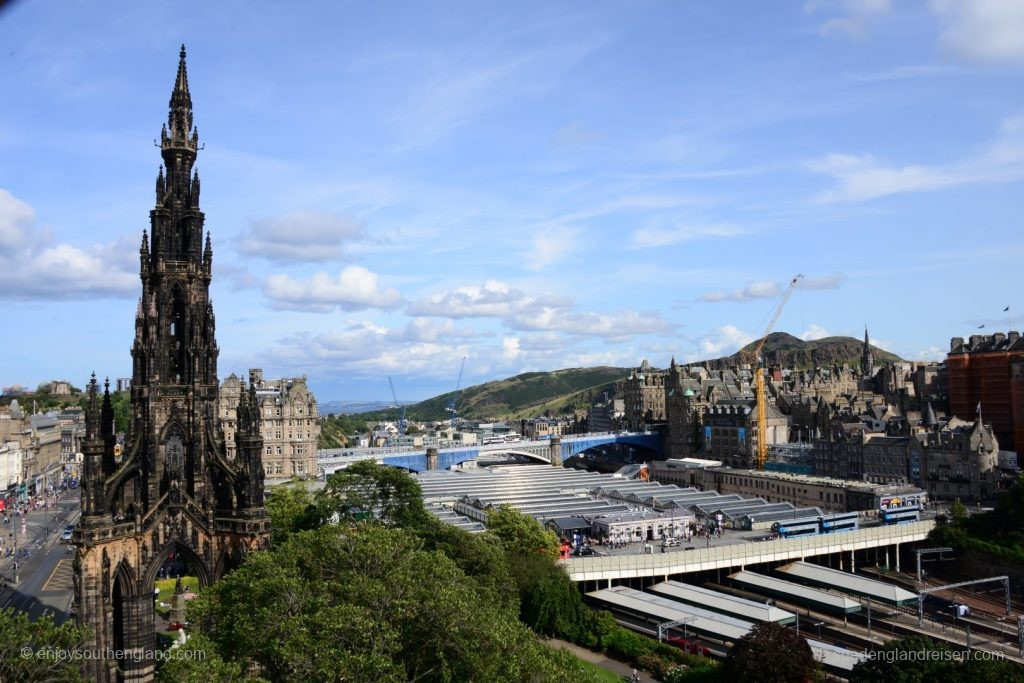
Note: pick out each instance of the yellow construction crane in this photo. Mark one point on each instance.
(762, 419)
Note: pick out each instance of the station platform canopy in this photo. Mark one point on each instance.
(723, 603)
(834, 657)
(661, 609)
(815, 575)
(796, 593)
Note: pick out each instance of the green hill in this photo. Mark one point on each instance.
(560, 391)
(791, 352)
(526, 395)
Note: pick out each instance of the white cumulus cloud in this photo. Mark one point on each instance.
(860, 178)
(354, 288)
(299, 237)
(723, 341)
(814, 332)
(32, 267)
(983, 30)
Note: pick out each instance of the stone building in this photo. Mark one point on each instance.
(289, 422)
(606, 416)
(11, 469)
(986, 372)
(541, 428)
(829, 495)
(43, 463)
(72, 431)
(644, 396)
(959, 460)
(731, 434)
(173, 490)
(60, 387)
(689, 392)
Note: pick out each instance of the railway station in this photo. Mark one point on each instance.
(846, 582)
(812, 598)
(723, 603)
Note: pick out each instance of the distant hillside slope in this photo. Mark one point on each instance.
(524, 395)
(791, 352)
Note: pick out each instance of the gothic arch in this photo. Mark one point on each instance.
(178, 545)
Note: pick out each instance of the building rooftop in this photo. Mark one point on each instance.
(987, 343)
(848, 484)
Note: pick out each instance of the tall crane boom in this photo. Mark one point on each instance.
(762, 418)
(400, 407)
(454, 400)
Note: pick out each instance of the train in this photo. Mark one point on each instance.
(901, 515)
(813, 526)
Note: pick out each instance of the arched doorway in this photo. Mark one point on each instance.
(173, 578)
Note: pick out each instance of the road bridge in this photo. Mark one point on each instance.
(553, 451)
(609, 568)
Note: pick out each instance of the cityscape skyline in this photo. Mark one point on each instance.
(528, 187)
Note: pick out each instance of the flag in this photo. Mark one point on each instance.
(1006, 309)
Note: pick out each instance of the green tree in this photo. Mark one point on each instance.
(554, 607)
(756, 656)
(479, 556)
(365, 602)
(709, 671)
(958, 512)
(988, 671)
(913, 659)
(291, 508)
(205, 668)
(20, 635)
(530, 550)
(366, 490)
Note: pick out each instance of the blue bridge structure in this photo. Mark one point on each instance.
(553, 451)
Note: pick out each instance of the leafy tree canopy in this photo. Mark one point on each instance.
(366, 490)
(365, 602)
(19, 635)
(772, 654)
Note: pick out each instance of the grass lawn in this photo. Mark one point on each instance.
(598, 674)
(166, 587)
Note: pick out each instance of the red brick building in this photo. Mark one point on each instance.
(989, 370)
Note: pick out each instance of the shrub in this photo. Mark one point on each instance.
(628, 645)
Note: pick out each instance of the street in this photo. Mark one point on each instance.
(45, 577)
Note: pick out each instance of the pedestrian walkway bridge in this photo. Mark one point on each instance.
(553, 451)
(614, 567)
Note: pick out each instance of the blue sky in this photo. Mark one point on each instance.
(533, 185)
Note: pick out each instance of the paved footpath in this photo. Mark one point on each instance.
(600, 659)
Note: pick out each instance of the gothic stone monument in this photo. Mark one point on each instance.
(174, 490)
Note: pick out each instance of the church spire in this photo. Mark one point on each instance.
(179, 118)
(867, 358)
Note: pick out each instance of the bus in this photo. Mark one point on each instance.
(796, 527)
(900, 515)
(843, 521)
